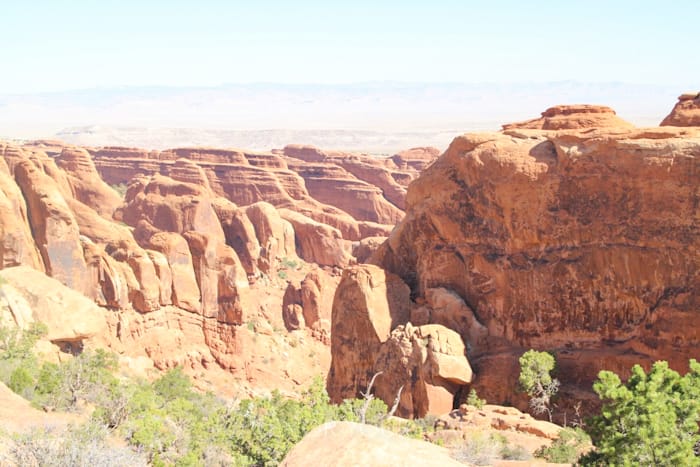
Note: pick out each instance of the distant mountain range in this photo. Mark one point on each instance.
(377, 117)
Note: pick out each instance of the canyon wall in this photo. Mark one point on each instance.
(213, 259)
(574, 233)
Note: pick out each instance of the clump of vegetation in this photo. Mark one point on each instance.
(652, 419)
(167, 422)
(537, 381)
(480, 449)
(19, 367)
(474, 400)
(84, 445)
(566, 449)
(287, 263)
(120, 188)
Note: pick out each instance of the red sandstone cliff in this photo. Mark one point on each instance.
(580, 241)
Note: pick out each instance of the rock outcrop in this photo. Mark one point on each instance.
(686, 112)
(415, 159)
(165, 205)
(86, 184)
(30, 296)
(275, 235)
(309, 304)
(318, 243)
(53, 225)
(424, 365)
(572, 117)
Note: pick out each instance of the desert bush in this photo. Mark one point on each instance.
(288, 263)
(481, 449)
(120, 188)
(85, 377)
(474, 400)
(16, 343)
(84, 445)
(566, 449)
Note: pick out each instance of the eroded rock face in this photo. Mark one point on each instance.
(86, 183)
(686, 112)
(318, 243)
(16, 243)
(584, 243)
(185, 292)
(416, 159)
(162, 204)
(240, 234)
(337, 189)
(55, 229)
(275, 235)
(333, 185)
(170, 282)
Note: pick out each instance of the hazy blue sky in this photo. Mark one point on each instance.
(58, 45)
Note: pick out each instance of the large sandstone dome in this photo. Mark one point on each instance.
(583, 241)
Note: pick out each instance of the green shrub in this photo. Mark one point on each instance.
(85, 377)
(474, 400)
(49, 380)
(22, 382)
(652, 419)
(18, 344)
(173, 384)
(288, 263)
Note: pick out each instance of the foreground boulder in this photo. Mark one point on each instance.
(342, 444)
